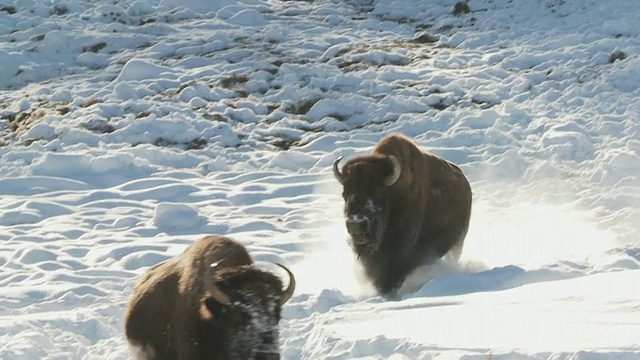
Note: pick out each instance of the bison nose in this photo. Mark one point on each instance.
(267, 356)
(358, 225)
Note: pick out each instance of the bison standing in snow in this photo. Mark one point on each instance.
(208, 303)
(404, 208)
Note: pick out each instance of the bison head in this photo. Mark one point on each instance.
(248, 301)
(366, 183)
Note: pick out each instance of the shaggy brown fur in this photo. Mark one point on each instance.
(172, 315)
(417, 219)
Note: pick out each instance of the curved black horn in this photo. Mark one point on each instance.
(210, 285)
(397, 170)
(336, 171)
(288, 292)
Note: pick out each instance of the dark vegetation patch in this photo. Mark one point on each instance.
(377, 126)
(142, 114)
(59, 10)
(553, 4)
(119, 16)
(274, 70)
(94, 48)
(24, 120)
(359, 63)
(397, 19)
(342, 51)
(38, 37)
(303, 106)
(284, 60)
(367, 56)
(337, 116)
(424, 38)
(284, 144)
(91, 101)
(195, 144)
(440, 105)
(99, 126)
(445, 28)
(28, 142)
(482, 103)
(233, 81)
(350, 66)
(180, 88)
(9, 9)
(215, 117)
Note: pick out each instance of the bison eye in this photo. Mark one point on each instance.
(215, 307)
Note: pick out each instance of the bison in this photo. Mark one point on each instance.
(404, 208)
(209, 303)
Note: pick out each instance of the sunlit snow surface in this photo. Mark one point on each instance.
(128, 129)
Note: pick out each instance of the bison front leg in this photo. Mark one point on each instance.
(388, 283)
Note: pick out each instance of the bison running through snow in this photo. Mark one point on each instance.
(208, 303)
(404, 208)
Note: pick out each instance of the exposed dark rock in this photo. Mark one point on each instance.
(617, 55)
(461, 8)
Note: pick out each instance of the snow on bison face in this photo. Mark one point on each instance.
(250, 312)
(366, 185)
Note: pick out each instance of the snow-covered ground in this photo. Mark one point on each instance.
(130, 128)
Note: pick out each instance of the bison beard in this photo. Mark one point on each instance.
(403, 208)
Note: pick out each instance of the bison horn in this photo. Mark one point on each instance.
(336, 171)
(391, 179)
(288, 292)
(210, 285)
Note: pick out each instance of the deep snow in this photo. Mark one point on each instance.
(128, 129)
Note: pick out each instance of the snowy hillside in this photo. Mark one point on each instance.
(130, 128)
